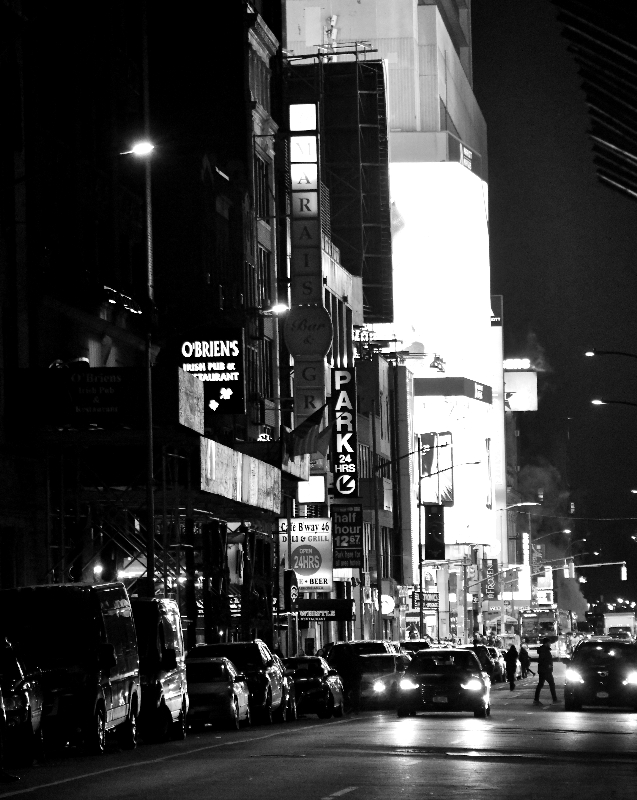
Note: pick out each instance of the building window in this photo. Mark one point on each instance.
(262, 189)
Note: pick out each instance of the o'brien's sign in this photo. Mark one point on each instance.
(218, 362)
(344, 445)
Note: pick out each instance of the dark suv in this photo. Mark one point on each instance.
(601, 673)
(263, 672)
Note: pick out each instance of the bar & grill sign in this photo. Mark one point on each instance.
(310, 551)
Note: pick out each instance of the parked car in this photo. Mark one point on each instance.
(23, 698)
(318, 687)
(499, 665)
(162, 668)
(380, 675)
(82, 637)
(219, 693)
(484, 657)
(289, 712)
(601, 673)
(263, 673)
(445, 680)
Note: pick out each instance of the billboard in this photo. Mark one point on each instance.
(344, 448)
(310, 551)
(347, 529)
(216, 357)
(436, 456)
(520, 391)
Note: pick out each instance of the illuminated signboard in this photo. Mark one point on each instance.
(344, 444)
(347, 528)
(310, 551)
(217, 359)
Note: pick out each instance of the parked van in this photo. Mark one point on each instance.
(162, 668)
(82, 638)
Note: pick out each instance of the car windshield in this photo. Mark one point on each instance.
(379, 663)
(606, 654)
(244, 656)
(206, 672)
(305, 668)
(428, 663)
(369, 647)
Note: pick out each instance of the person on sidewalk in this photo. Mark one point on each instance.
(525, 660)
(511, 661)
(545, 672)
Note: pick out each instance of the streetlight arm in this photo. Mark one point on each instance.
(602, 401)
(594, 352)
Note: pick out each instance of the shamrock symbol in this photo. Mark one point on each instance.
(213, 405)
(225, 394)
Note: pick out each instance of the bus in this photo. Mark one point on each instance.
(553, 624)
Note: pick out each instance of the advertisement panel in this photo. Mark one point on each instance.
(491, 579)
(436, 453)
(520, 391)
(216, 357)
(310, 550)
(347, 531)
(344, 443)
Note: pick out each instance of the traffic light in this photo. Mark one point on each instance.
(624, 573)
(434, 533)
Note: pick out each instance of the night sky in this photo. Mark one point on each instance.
(563, 255)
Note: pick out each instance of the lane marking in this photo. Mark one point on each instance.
(340, 792)
(158, 760)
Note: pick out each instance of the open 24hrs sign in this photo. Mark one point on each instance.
(344, 443)
(309, 551)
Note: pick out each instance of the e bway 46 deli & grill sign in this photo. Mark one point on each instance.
(310, 551)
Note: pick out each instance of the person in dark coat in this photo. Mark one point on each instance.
(525, 661)
(511, 661)
(545, 672)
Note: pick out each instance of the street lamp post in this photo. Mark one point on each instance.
(144, 149)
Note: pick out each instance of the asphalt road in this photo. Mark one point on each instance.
(522, 751)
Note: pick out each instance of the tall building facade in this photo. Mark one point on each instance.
(442, 301)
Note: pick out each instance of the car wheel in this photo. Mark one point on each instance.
(94, 732)
(179, 728)
(233, 722)
(328, 708)
(481, 712)
(248, 718)
(488, 710)
(280, 715)
(292, 711)
(127, 731)
(26, 744)
(266, 713)
(339, 710)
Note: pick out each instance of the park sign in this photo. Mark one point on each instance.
(344, 439)
(309, 550)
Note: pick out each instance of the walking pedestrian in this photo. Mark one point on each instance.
(525, 660)
(511, 661)
(545, 672)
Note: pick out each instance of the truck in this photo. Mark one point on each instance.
(621, 624)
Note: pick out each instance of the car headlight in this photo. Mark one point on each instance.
(573, 676)
(473, 685)
(379, 686)
(405, 684)
(631, 679)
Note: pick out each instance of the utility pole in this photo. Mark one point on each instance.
(378, 540)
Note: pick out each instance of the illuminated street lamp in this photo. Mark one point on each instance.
(602, 401)
(595, 352)
(143, 149)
